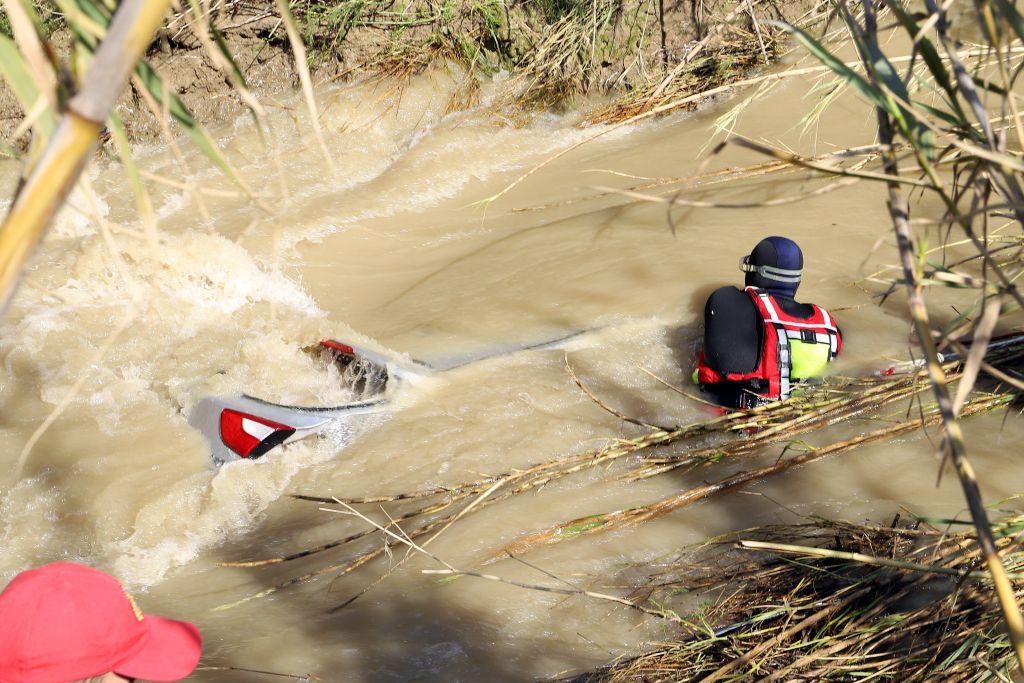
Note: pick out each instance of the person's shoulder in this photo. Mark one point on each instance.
(729, 305)
(728, 291)
(726, 296)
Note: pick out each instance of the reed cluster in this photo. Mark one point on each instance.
(828, 600)
(952, 132)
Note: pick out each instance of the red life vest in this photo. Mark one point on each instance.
(770, 380)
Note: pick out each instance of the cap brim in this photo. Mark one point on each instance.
(171, 652)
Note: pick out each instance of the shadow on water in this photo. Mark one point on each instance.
(417, 630)
(403, 630)
(410, 628)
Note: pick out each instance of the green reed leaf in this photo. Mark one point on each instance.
(18, 76)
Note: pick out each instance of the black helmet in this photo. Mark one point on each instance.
(774, 265)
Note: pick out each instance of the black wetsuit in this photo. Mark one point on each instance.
(734, 335)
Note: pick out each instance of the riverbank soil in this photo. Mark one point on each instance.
(552, 51)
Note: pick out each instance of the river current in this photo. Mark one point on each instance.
(392, 243)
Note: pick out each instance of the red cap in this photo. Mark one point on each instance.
(64, 621)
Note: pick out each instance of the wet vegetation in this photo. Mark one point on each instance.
(644, 51)
(742, 435)
(829, 600)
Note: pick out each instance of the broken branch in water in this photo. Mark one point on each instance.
(604, 406)
(631, 516)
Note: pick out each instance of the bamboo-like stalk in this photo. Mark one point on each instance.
(810, 551)
(899, 212)
(53, 176)
(957, 449)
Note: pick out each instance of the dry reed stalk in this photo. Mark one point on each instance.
(301, 65)
(808, 551)
(631, 516)
(261, 672)
(194, 18)
(162, 115)
(126, 320)
(707, 179)
(675, 200)
(38, 61)
(625, 418)
(870, 400)
(450, 570)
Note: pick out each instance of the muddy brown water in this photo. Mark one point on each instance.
(391, 246)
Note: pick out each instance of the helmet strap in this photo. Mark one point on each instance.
(770, 272)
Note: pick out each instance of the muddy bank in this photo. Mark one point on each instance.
(553, 51)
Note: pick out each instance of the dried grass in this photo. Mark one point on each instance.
(818, 615)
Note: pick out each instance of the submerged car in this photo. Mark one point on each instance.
(245, 427)
(241, 427)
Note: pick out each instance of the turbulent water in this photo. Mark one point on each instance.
(391, 244)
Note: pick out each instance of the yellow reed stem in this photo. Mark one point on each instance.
(53, 176)
(42, 194)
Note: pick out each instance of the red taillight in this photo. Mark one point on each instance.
(251, 436)
(338, 346)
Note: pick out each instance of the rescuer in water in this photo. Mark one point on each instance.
(759, 342)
